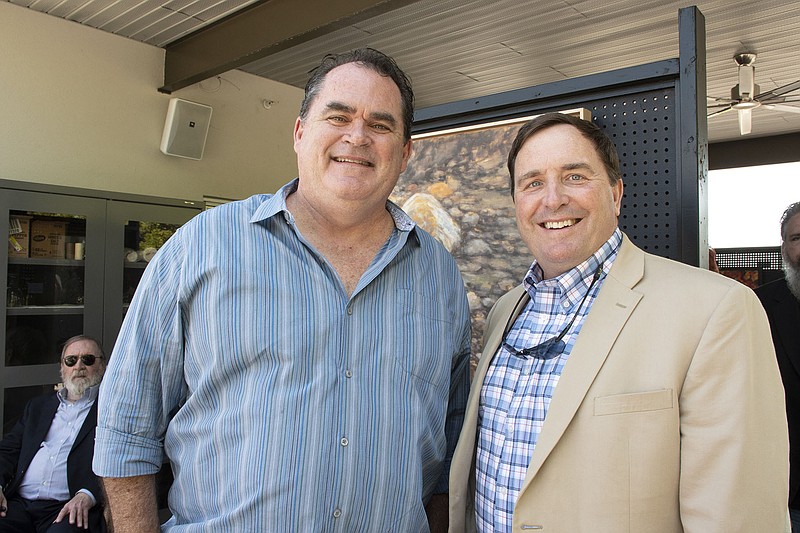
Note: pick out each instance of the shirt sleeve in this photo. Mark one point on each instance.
(89, 494)
(734, 441)
(144, 381)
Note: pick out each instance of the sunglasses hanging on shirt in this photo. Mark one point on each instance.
(554, 346)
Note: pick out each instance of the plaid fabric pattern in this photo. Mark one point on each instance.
(516, 393)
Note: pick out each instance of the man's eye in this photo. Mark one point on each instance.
(337, 118)
(381, 127)
(574, 177)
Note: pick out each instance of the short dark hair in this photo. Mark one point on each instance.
(371, 59)
(590, 131)
(78, 338)
(790, 211)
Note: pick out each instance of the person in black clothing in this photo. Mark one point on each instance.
(781, 300)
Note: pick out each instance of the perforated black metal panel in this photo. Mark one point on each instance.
(765, 258)
(642, 126)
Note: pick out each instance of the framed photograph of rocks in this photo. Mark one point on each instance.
(456, 187)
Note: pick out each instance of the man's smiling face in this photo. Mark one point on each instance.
(351, 145)
(565, 204)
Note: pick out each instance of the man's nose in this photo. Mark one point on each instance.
(358, 133)
(555, 194)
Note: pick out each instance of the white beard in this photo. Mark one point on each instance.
(77, 386)
(792, 274)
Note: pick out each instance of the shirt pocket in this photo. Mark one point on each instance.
(427, 337)
(636, 402)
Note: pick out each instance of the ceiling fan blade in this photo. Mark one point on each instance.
(745, 121)
(781, 107)
(780, 91)
(720, 99)
(715, 113)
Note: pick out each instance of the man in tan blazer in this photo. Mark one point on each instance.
(617, 391)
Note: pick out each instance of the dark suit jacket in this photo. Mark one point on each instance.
(18, 448)
(783, 311)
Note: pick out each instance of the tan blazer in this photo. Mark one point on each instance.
(668, 417)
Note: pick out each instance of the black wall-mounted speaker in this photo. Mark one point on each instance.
(185, 129)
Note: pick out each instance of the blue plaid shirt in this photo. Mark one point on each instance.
(516, 392)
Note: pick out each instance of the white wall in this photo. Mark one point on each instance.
(80, 107)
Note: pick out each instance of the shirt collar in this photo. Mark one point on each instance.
(276, 204)
(572, 281)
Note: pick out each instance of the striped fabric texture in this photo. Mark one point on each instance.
(282, 403)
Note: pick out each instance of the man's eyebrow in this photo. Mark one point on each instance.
(380, 116)
(339, 106)
(577, 166)
(529, 174)
(384, 117)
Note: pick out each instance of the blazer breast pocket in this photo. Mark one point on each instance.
(634, 402)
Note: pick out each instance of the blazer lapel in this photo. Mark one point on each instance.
(610, 311)
(38, 428)
(89, 423)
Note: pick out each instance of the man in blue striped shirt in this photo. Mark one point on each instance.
(301, 358)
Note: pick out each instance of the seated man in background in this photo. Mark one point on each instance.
(46, 478)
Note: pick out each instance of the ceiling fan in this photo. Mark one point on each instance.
(745, 96)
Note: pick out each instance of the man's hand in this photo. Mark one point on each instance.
(78, 510)
(3, 504)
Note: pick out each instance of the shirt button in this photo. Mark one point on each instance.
(348, 373)
(337, 513)
(344, 441)
(349, 309)
(565, 304)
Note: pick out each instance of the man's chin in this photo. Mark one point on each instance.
(77, 386)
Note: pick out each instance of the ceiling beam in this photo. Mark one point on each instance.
(258, 31)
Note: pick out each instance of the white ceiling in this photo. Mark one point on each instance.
(459, 49)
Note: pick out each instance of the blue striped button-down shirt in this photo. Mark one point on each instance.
(516, 393)
(283, 403)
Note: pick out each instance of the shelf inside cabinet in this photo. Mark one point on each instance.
(42, 261)
(44, 310)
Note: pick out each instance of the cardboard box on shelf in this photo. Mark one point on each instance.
(47, 238)
(19, 235)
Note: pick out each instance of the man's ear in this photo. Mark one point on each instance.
(616, 191)
(298, 132)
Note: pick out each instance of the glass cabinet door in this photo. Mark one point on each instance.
(135, 233)
(55, 244)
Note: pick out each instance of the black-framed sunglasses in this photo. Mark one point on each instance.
(554, 346)
(87, 359)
